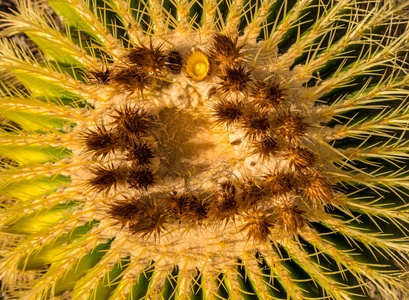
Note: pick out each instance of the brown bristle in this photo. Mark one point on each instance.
(101, 76)
(299, 157)
(225, 205)
(212, 91)
(107, 177)
(278, 183)
(251, 195)
(176, 204)
(140, 153)
(150, 219)
(257, 224)
(124, 211)
(236, 142)
(131, 123)
(150, 60)
(100, 141)
(224, 50)
(227, 189)
(130, 79)
(141, 177)
(236, 79)
(268, 95)
(174, 62)
(317, 188)
(256, 124)
(290, 218)
(266, 147)
(228, 111)
(196, 210)
(187, 207)
(291, 125)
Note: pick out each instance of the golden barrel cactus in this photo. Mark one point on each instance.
(203, 149)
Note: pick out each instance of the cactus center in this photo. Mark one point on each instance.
(187, 158)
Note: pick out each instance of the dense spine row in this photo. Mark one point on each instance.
(127, 137)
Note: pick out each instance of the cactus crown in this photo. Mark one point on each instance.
(217, 149)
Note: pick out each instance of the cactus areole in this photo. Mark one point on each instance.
(176, 149)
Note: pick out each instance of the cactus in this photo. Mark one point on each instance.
(205, 150)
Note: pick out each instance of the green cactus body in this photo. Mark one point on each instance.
(205, 150)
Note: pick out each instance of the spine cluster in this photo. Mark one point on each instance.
(126, 135)
(261, 110)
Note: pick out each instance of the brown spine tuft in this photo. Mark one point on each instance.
(278, 183)
(125, 211)
(224, 50)
(299, 157)
(141, 177)
(228, 111)
(131, 123)
(150, 60)
(101, 76)
(291, 125)
(107, 177)
(174, 61)
(316, 188)
(236, 79)
(225, 206)
(130, 79)
(100, 141)
(256, 124)
(290, 218)
(140, 153)
(266, 147)
(257, 224)
(150, 219)
(268, 95)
